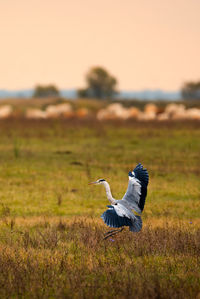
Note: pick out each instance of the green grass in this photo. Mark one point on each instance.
(42, 162)
(45, 167)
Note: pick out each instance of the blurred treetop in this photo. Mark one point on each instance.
(191, 91)
(100, 84)
(42, 91)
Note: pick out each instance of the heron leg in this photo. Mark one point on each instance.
(112, 233)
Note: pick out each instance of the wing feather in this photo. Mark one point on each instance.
(118, 216)
(136, 192)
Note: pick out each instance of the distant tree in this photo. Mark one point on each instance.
(42, 91)
(100, 84)
(82, 92)
(191, 91)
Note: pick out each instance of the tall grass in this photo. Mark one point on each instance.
(71, 260)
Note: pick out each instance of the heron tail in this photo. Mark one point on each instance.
(137, 225)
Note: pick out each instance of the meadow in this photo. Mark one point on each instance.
(51, 234)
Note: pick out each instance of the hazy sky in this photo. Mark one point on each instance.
(144, 43)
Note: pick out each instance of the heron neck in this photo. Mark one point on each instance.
(108, 193)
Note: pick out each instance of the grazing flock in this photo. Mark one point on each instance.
(113, 111)
(151, 112)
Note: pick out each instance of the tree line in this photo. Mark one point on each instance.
(101, 84)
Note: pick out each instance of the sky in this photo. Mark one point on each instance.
(146, 44)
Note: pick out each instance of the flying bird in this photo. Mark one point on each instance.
(127, 211)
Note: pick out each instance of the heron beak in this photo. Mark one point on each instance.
(92, 183)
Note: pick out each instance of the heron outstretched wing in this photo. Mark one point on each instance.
(135, 195)
(114, 219)
(118, 216)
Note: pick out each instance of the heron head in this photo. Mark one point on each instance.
(98, 182)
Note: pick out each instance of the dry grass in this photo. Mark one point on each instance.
(69, 259)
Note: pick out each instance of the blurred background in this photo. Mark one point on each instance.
(108, 50)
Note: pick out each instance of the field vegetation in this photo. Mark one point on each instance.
(51, 236)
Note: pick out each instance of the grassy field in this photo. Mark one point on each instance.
(51, 236)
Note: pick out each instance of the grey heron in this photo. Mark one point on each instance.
(127, 211)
